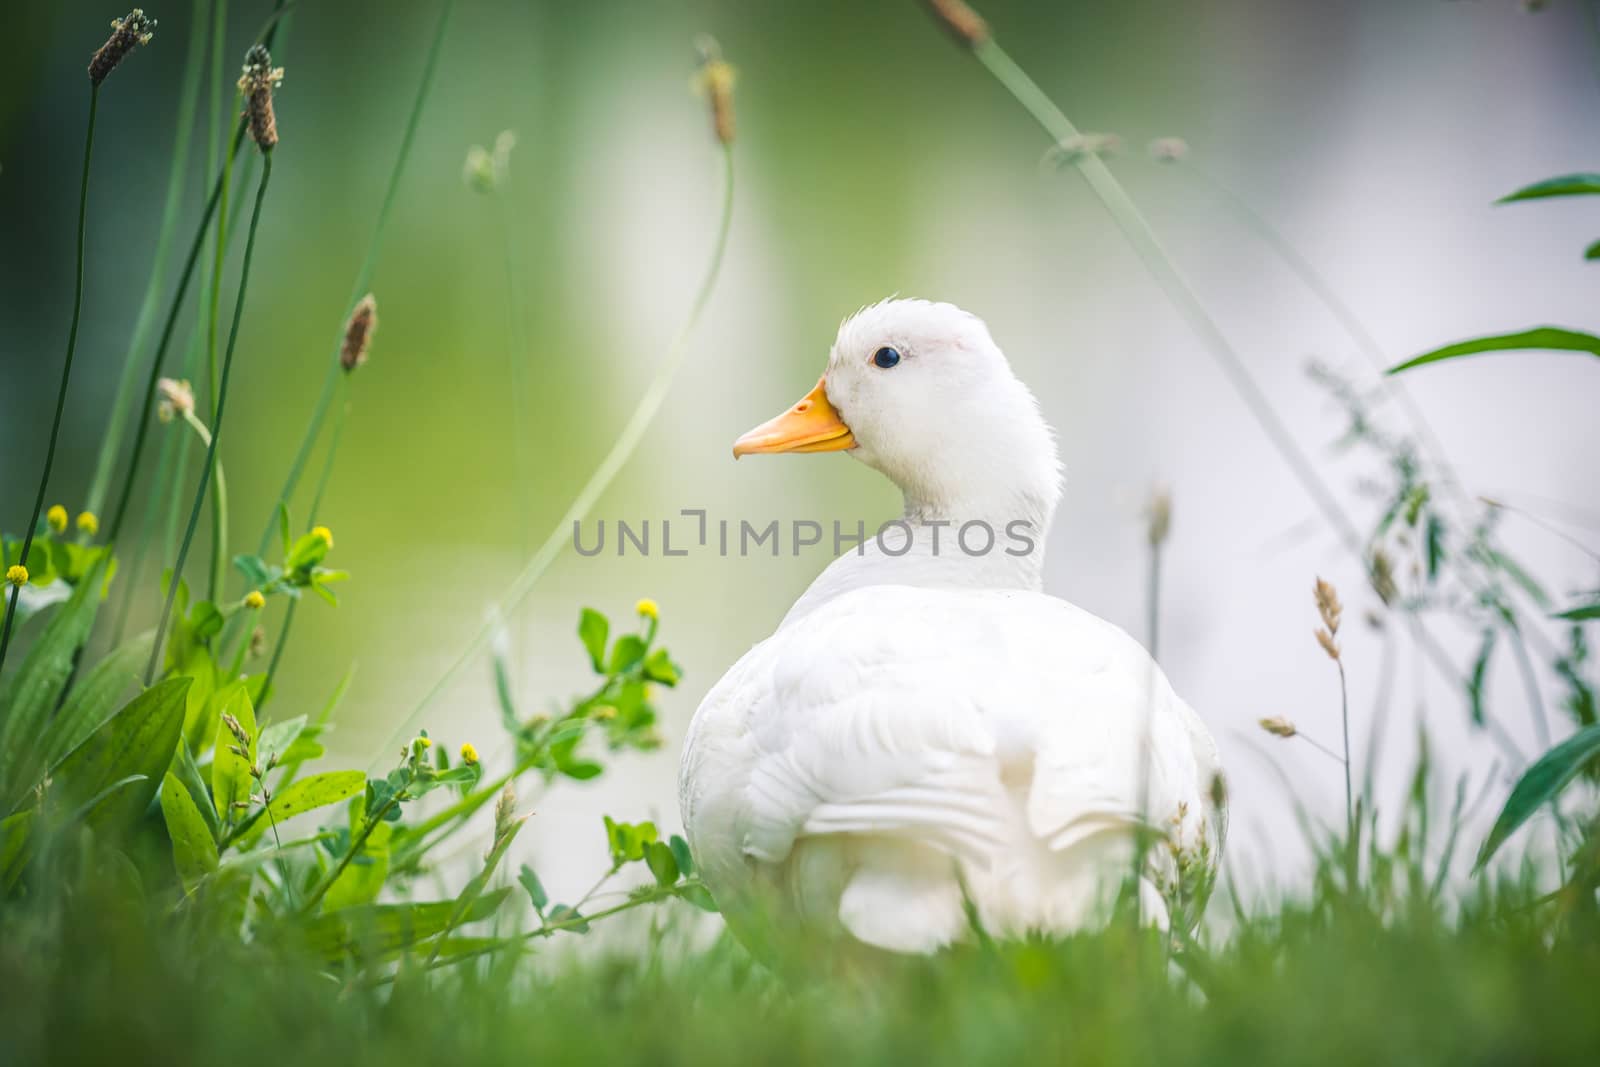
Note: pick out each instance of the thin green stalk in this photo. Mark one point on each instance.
(332, 876)
(364, 276)
(1182, 295)
(111, 442)
(621, 451)
(66, 372)
(146, 404)
(216, 424)
(219, 516)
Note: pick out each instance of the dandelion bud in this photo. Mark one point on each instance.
(323, 534)
(57, 518)
(254, 600)
(177, 399)
(88, 523)
(716, 80)
(16, 575)
(260, 77)
(469, 753)
(648, 608)
(1168, 149)
(967, 25)
(126, 34)
(1278, 726)
(358, 334)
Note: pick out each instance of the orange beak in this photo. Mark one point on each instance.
(812, 425)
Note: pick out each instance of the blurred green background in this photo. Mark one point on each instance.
(873, 157)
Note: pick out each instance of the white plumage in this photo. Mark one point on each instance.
(929, 728)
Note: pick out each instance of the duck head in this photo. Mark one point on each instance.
(920, 392)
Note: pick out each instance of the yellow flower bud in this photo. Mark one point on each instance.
(424, 742)
(469, 754)
(325, 534)
(254, 600)
(648, 608)
(605, 713)
(88, 524)
(57, 518)
(17, 574)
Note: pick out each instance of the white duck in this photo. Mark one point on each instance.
(929, 728)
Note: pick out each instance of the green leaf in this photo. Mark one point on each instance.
(699, 896)
(1480, 668)
(660, 668)
(188, 774)
(1434, 531)
(1551, 338)
(563, 913)
(681, 853)
(317, 791)
(628, 841)
(530, 882)
(205, 621)
(375, 932)
(255, 570)
(579, 770)
(1540, 784)
(629, 650)
(15, 834)
(284, 537)
(361, 882)
(306, 553)
(593, 630)
(662, 863)
(96, 697)
(139, 740)
(1582, 613)
(280, 736)
(230, 772)
(1566, 185)
(34, 686)
(194, 850)
(1592, 252)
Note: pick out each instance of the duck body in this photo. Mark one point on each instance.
(927, 732)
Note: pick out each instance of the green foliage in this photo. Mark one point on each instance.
(1540, 784)
(1565, 185)
(1541, 338)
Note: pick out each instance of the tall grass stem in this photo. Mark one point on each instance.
(66, 373)
(216, 423)
(364, 275)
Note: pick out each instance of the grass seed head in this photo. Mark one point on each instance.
(1158, 516)
(127, 33)
(1382, 577)
(177, 399)
(505, 812)
(1278, 726)
(958, 17)
(257, 82)
(715, 80)
(358, 334)
(258, 642)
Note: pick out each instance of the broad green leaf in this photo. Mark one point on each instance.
(188, 774)
(138, 741)
(96, 696)
(200, 719)
(1540, 784)
(1582, 613)
(277, 738)
(530, 882)
(1565, 185)
(699, 896)
(14, 838)
(660, 668)
(629, 650)
(230, 772)
(681, 853)
(194, 850)
(374, 932)
(205, 621)
(662, 863)
(360, 883)
(1551, 338)
(564, 913)
(31, 689)
(317, 791)
(1592, 252)
(593, 630)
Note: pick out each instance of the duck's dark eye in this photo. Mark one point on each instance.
(886, 357)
